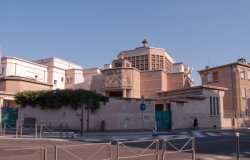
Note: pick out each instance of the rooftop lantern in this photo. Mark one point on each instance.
(145, 43)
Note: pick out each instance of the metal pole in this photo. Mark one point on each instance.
(81, 119)
(193, 148)
(117, 149)
(88, 120)
(36, 130)
(67, 131)
(142, 119)
(1, 132)
(45, 153)
(16, 128)
(110, 150)
(4, 128)
(237, 145)
(163, 148)
(157, 149)
(56, 154)
(21, 129)
(41, 130)
(89, 106)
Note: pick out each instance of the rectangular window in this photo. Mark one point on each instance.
(248, 75)
(214, 106)
(67, 80)
(243, 92)
(55, 82)
(242, 73)
(209, 77)
(2, 71)
(211, 106)
(118, 64)
(249, 93)
(215, 77)
(62, 79)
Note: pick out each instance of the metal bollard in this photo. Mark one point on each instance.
(56, 150)
(157, 149)
(36, 130)
(4, 128)
(193, 147)
(45, 153)
(17, 126)
(1, 128)
(41, 130)
(67, 130)
(237, 145)
(117, 150)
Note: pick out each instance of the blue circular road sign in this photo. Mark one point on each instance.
(142, 106)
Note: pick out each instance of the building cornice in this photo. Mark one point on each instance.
(223, 66)
(18, 78)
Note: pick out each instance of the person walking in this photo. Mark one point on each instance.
(195, 124)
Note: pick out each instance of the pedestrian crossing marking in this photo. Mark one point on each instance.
(246, 153)
(212, 134)
(185, 133)
(165, 136)
(226, 134)
(198, 134)
(92, 140)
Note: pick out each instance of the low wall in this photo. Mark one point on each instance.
(118, 114)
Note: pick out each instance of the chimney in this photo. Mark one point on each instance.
(145, 43)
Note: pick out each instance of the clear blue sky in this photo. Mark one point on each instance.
(91, 33)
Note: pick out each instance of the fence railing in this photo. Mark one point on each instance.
(13, 153)
(126, 149)
(89, 151)
(177, 145)
(58, 130)
(142, 149)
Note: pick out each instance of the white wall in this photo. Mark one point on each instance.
(183, 116)
(18, 67)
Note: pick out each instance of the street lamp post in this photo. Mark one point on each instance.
(81, 118)
(88, 107)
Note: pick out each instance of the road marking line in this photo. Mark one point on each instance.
(224, 157)
(165, 136)
(241, 155)
(143, 138)
(212, 134)
(207, 159)
(119, 139)
(198, 134)
(226, 134)
(184, 133)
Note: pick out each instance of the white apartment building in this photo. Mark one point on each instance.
(62, 74)
(12, 66)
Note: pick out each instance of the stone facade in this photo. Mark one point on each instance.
(118, 114)
(235, 77)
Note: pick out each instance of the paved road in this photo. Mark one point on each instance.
(210, 145)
